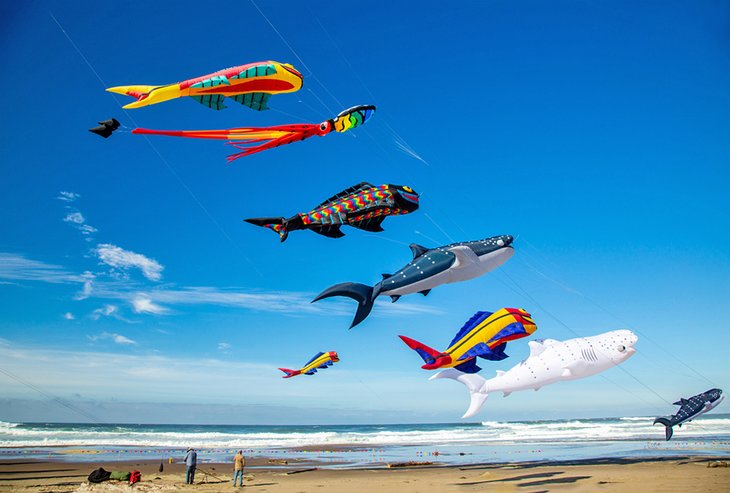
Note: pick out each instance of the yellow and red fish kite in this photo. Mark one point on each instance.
(484, 335)
(319, 361)
(256, 139)
(251, 85)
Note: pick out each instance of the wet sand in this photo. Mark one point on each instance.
(614, 475)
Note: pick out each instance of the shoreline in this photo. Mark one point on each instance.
(607, 474)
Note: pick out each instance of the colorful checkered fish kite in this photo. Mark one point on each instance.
(363, 206)
(251, 85)
(256, 139)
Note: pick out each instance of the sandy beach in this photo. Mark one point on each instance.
(615, 475)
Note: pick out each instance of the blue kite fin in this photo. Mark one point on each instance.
(475, 320)
(509, 331)
(469, 366)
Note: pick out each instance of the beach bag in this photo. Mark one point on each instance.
(135, 477)
(99, 475)
(120, 475)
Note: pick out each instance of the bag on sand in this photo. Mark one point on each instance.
(120, 475)
(135, 477)
(99, 475)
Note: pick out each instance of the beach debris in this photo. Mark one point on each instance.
(363, 206)
(297, 471)
(411, 463)
(250, 85)
(690, 408)
(278, 461)
(99, 475)
(484, 335)
(430, 267)
(256, 139)
(550, 361)
(319, 361)
(717, 463)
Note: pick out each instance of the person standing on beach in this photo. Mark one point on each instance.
(238, 464)
(191, 462)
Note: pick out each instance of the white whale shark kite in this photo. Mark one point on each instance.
(550, 361)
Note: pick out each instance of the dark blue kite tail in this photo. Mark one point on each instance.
(669, 430)
(364, 295)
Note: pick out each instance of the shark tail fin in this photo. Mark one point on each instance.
(474, 383)
(429, 355)
(669, 431)
(146, 95)
(290, 373)
(359, 292)
(276, 224)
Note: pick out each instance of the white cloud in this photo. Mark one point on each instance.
(68, 196)
(224, 347)
(120, 258)
(79, 222)
(142, 304)
(105, 311)
(117, 338)
(69, 316)
(18, 267)
(87, 278)
(74, 217)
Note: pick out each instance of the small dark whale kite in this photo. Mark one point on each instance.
(363, 206)
(690, 408)
(105, 128)
(429, 268)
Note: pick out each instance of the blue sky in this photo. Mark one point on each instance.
(594, 132)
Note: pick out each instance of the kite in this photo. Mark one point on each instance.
(319, 361)
(484, 335)
(251, 85)
(429, 268)
(256, 139)
(363, 206)
(550, 361)
(105, 128)
(690, 408)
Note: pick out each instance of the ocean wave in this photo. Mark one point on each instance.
(576, 430)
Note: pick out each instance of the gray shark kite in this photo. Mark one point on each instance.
(429, 268)
(690, 408)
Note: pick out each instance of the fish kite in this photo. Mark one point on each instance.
(251, 85)
(430, 267)
(105, 128)
(256, 139)
(319, 361)
(550, 361)
(690, 408)
(363, 206)
(484, 335)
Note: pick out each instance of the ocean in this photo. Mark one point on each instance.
(371, 445)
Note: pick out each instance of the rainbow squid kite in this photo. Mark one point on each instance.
(256, 139)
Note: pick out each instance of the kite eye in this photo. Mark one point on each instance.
(323, 126)
(621, 348)
(408, 189)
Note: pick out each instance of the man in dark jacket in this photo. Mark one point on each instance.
(191, 462)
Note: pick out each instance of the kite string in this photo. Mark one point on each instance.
(572, 290)
(52, 397)
(159, 154)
